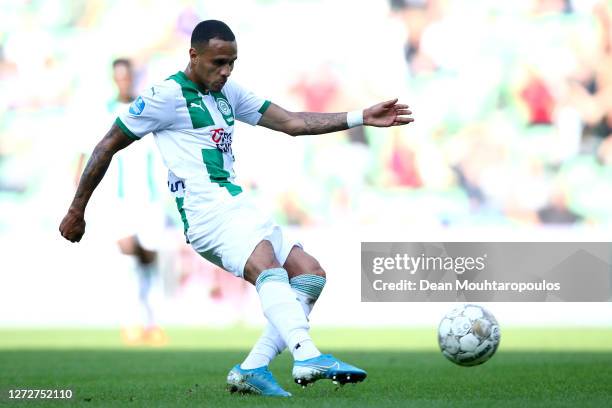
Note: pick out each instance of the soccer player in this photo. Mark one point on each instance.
(191, 115)
(139, 220)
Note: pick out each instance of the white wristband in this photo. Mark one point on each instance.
(354, 118)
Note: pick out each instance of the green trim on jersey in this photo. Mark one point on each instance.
(211, 257)
(213, 159)
(224, 107)
(264, 107)
(199, 114)
(181, 210)
(127, 131)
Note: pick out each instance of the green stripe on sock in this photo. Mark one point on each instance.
(308, 285)
(271, 275)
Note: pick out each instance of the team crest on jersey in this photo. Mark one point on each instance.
(224, 107)
(222, 139)
(137, 106)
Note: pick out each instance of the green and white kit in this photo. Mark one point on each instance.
(138, 193)
(193, 130)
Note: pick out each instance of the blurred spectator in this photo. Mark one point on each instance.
(556, 212)
(140, 218)
(402, 164)
(510, 98)
(317, 89)
(539, 101)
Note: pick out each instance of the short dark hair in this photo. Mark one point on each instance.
(122, 61)
(209, 29)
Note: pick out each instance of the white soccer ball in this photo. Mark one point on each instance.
(468, 335)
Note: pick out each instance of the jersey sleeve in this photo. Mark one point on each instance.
(152, 111)
(248, 107)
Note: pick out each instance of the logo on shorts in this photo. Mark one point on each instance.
(224, 107)
(137, 106)
(222, 139)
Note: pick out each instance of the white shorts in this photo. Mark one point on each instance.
(227, 234)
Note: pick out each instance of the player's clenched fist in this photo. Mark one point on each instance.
(73, 226)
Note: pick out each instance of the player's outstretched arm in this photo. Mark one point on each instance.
(384, 114)
(73, 225)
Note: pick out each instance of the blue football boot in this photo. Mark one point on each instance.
(258, 381)
(326, 366)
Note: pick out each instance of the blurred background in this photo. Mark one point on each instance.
(513, 109)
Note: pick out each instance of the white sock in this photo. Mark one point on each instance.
(307, 288)
(304, 350)
(145, 283)
(268, 346)
(284, 311)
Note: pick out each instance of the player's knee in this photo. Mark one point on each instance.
(311, 266)
(318, 270)
(145, 256)
(127, 245)
(300, 263)
(260, 260)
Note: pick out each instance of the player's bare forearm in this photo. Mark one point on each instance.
(384, 114)
(302, 123)
(97, 165)
(72, 226)
(92, 175)
(312, 123)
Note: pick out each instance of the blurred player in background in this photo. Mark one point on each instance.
(139, 218)
(192, 115)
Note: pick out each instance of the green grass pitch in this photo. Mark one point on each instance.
(543, 368)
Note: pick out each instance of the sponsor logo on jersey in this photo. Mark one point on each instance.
(176, 186)
(137, 106)
(222, 139)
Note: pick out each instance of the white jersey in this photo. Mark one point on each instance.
(139, 191)
(193, 129)
(137, 168)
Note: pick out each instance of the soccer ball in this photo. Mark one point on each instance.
(468, 335)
